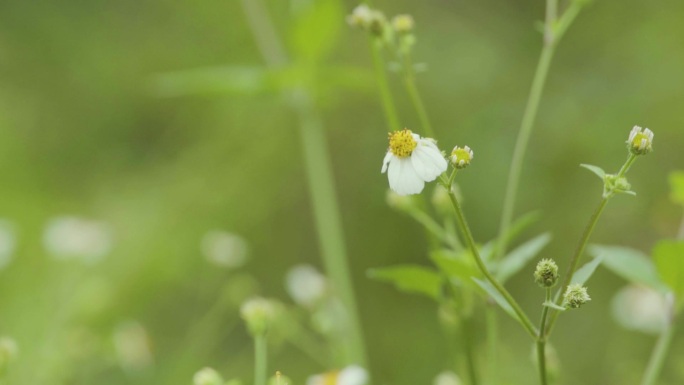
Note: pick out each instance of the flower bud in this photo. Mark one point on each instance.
(461, 157)
(546, 273)
(575, 296)
(360, 17)
(640, 141)
(403, 23)
(207, 376)
(258, 314)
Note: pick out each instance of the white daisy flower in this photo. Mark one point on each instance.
(640, 308)
(305, 285)
(411, 161)
(351, 375)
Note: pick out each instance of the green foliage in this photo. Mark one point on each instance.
(489, 290)
(630, 264)
(316, 30)
(458, 266)
(677, 187)
(521, 256)
(669, 260)
(411, 279)
(596, 170)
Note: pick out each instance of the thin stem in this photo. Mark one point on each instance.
(541, 340)
(625, 167)
(465, 229)
(321, 183)
(492, 325)
(655, 364)
(383, 85)
(553, 31)
(260, 360)
(412, 89)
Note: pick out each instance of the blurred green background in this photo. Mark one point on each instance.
(89, 129)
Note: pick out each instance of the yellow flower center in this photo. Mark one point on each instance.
(330, 378)
(402, 143)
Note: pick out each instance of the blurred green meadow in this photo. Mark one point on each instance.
(153, 134)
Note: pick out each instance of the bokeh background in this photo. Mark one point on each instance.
(94, 142)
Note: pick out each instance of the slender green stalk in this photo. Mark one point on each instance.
(465, 229)
(383, 85)
(554, 29)
(260, 360)
(412, 89)
(320, 178)
(625, 167)
(492, 325)
(655, 364)
(541, 340)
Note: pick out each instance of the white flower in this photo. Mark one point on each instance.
(351, 375)
(640, 308)
(72, 237)
(447, 377)
(7, 242)
(411, 161)
(207, 376)
(305, 285)
(224, 249)
(132, 345)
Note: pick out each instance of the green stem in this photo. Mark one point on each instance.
(320, 178)
(553, 32)
(541, 340)
(465, 229)
(412, 89)
(574, 262)
(492, 340)
(383, 85)
(655, 364)
(625, 167)
(260, 360)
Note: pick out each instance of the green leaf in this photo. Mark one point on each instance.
(677, 187)
(241, 80)
(411, 279)
(518, 258)
(669, 260)
(500, 300)
(552, 305)
(460, 266)
(585, 272)
(316, 29)
(595, 169)
(630, 264)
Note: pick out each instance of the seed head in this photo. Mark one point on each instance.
(575, 296)
(546, 273)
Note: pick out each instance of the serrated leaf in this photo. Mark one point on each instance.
(595, 169)
(316, 29)
(520, 256)
(498, 298)
(677, 187)
(410, 278)
(630, 264)
(669, 260)
(456, 265)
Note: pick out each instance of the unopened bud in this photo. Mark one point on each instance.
(640, 141)
(546, 273)
(461, 157)
(575, 296)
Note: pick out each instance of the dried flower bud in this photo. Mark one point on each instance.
(575, 296)
(546, 273)
(640, 141)
(461, 157)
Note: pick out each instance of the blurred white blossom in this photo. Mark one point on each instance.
(351, 375)
(305, 285)
(7, 242)
(133, 348)
(71, 237)
(447, 377)
(224, 249)
(640, 308)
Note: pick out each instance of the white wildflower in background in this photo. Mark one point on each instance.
(224, 249)
(258, 313)
(305, 285)
(640, 308)
(7, 242)
(133, 348)
(447, 377)
(351, 375)
(411, 161)
(77, 238)
(207, 376)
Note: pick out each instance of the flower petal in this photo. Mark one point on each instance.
(385, 161)
(428, 161)
(403, 178)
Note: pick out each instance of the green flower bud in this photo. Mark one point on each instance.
(258, 314)
(461, 157)
(640, 141)
(207, 376)
(546, 273)
(575, 296)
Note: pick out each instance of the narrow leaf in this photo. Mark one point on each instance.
(582, 274)
(492, 292)
(518, 258)
(630, 264)
(410, 278)
(669, 260)
(552, 305)
(456, 265)
(595, 169)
